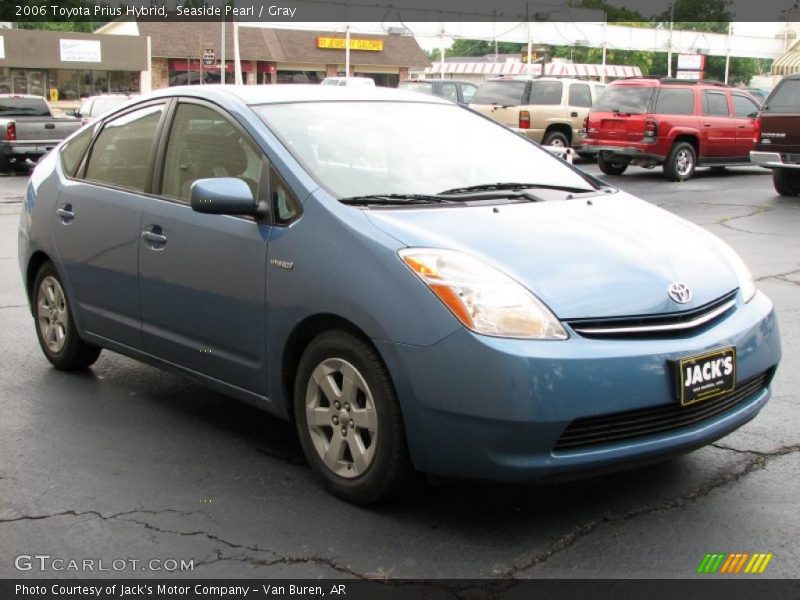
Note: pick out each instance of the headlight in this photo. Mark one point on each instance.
(743, 274)
(483, 298)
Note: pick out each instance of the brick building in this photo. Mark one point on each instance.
(176, 52)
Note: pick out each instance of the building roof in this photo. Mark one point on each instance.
(555, 69)
(278, 45)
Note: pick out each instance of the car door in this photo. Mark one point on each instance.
(745, 110)
(717, 127)
(98, 219)
(202, 276)
(579, 101)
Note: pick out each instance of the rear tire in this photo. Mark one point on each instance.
(557, 139)
(681, 162)
(5, 164)
(55, 326)
(786, 181)
(611, 166)
(349, 420)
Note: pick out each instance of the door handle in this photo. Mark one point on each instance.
(573, 114)
(49, 125)
(66, 213)
(151, 235)
(706, 124)
(741, 126)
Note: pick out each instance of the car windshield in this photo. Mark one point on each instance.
(624, 99)
(363, 148)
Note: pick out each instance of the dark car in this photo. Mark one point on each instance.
(671, 122)
(450, 89)
(777, 136)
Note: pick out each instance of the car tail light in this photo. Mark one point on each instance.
(524, 119)
(757, 131)
(11, 130)
(650, 128)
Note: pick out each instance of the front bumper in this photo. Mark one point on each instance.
(490, 408)
(771, 160)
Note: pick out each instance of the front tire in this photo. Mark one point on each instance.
(786, 181)
(681, 162)
(610, 166)
(349, 420)
(55, 326)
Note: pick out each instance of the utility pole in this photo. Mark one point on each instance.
(728, 52)
(669, 44)
(347, 52)
(222, 65)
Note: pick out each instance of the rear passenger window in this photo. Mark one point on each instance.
(715, 104)
(502, 93)
(202, 143)
(449, 91)
(73, 151)
(546, 92)
(580, 95)
(122, 153)
(743, 106)
(675, 101)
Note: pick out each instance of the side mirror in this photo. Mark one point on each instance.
(223, 196)
(72, 113)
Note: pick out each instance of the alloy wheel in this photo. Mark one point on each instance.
(51, 313)
(684, 162)
(341, 418)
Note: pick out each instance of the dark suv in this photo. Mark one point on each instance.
(777, 136)
(675, 123)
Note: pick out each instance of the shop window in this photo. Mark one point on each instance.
(300, 76)
(180, 77)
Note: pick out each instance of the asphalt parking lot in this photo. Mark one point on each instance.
(125, 461)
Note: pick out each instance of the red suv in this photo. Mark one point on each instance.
(671, 122)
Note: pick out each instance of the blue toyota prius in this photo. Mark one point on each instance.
(417, 287)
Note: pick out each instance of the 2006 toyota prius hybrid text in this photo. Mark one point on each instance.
(419, 288)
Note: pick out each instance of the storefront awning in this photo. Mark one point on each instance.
(787, 63)
(557, 69)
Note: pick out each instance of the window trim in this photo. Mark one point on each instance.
(80, 172)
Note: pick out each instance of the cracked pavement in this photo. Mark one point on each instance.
(128, 462)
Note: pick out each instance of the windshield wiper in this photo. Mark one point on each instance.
(504, 186)
(386, 199)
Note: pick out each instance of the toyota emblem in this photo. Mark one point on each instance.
(679, 292)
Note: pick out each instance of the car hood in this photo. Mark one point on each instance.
(605, 256)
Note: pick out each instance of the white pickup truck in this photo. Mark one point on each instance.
(28, 128)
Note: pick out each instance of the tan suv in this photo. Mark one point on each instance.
(549, 110)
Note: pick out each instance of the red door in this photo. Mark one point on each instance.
(717, 128)
(745, 110)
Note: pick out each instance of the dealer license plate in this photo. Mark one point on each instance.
(705, 376)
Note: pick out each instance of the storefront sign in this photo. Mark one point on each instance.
(80, 51)
(331, 43)
(691, 62)
(209, 57)
(690, 75)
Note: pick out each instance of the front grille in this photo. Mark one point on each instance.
(632, 424)
(671, 324)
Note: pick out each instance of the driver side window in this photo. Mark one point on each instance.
(202, 144)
